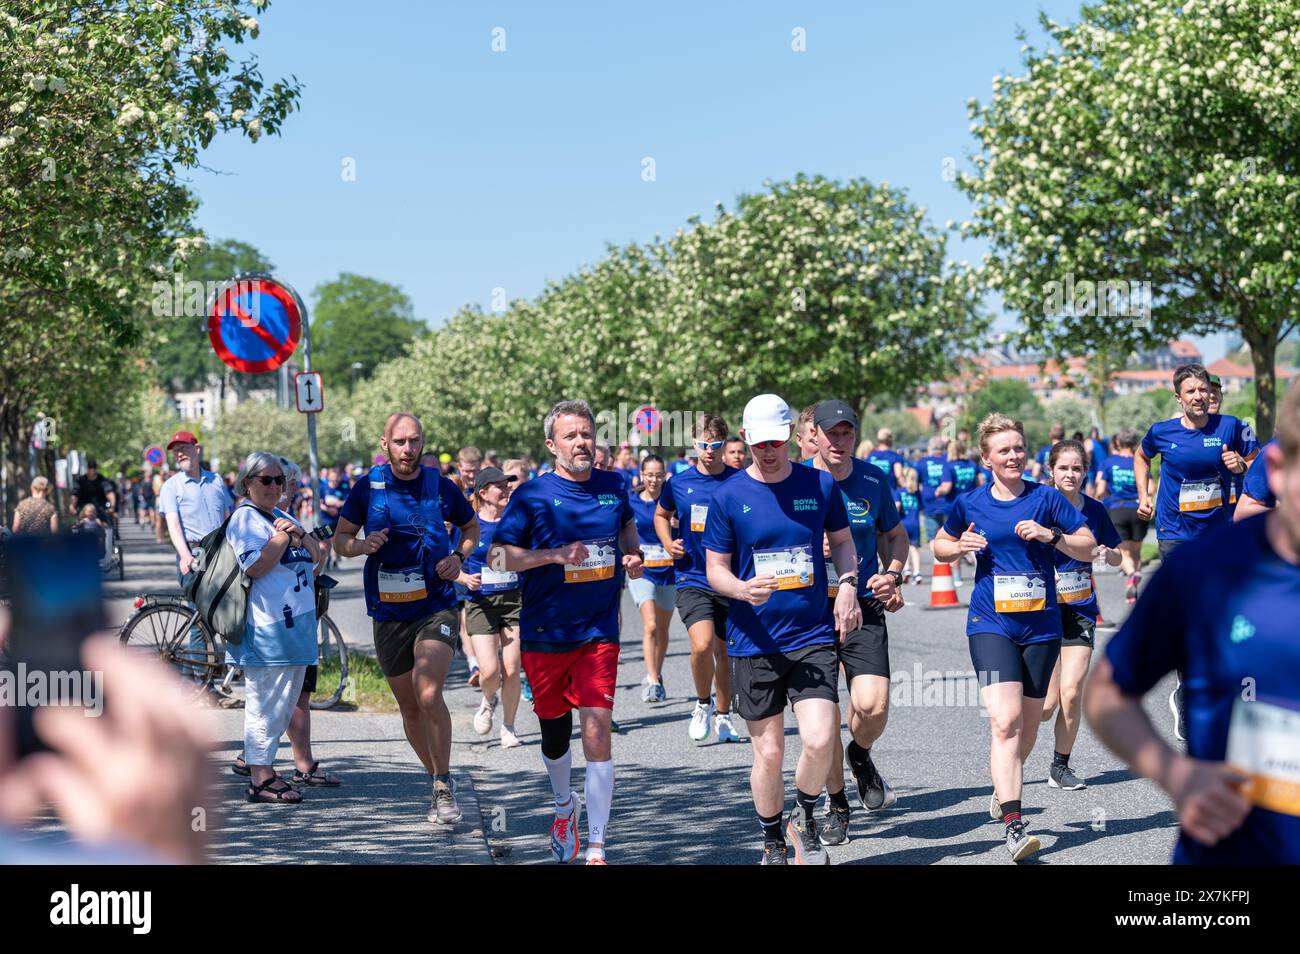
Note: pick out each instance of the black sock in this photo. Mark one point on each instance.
(704, 702)
(858, 756)
(1061, 760)
(807, 802)
(1011, 811)
(772, 828)
(839, 800)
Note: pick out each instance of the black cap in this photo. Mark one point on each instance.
(492, 475)
(829, 413)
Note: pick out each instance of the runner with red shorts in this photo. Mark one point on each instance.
(573, 535)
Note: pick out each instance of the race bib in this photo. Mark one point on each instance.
(1019, 594)
(1264, 743)
(497, 581)
(401, 586)
(654, 556)
(599, 564)
(1200, 495)
(698, 514)
(792, 566)
(1073, 586)
(832, 579)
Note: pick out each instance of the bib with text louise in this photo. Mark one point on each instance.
(1024, 593)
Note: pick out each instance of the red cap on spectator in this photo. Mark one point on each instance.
(182, 437)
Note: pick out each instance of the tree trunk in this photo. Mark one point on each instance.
(1263, 354)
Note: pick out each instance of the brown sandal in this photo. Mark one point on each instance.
(267, 793)
(315, 778)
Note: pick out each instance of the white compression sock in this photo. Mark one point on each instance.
(599, 794)
(559, 772)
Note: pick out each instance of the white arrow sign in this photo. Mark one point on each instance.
(309, 392)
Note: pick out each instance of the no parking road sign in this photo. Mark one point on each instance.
(153, 455)
(254, 323)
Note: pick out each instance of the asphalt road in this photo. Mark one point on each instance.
(678, 802)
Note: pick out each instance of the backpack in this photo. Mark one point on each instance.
(219, 588)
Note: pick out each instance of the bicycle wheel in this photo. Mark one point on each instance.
(333, 662)
(164, 630)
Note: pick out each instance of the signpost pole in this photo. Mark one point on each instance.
(313, 478)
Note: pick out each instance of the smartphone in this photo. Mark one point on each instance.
(55, 590)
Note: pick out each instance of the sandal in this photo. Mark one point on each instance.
(267, 793)
(313, 777)
(240, 767)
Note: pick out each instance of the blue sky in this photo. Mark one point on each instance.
(477, 169)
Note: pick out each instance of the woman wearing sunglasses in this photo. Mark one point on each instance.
(280, 633)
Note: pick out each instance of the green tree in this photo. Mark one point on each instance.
(1009, 396)
(1139, 411)
(1153, 141)
(106, 104)
(359, 320)
(1072, 412)
(907, 429)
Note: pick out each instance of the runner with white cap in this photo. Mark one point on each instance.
(764, 554)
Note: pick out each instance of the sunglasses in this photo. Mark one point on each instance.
(268, 481)
(709, 445)
(768, 445)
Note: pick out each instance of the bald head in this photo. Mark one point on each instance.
(397, 416)
(403, 442)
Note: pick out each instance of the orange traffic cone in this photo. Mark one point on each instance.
(943, 595)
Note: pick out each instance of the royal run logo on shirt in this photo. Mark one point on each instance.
(804, 503)
(608, 500)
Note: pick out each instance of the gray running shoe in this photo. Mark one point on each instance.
(647, 692)
(873, 791)
(773, 853)
(995, 807)
(1020, 843)
(661, 695)
(834, 829)
(1061, 776)
(444, 810)
(802, 831)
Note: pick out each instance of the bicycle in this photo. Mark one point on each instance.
(163, 625)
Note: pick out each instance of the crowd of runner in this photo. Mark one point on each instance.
(783, 563)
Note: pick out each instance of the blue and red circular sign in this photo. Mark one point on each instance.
(647, 419)
(153, 455)
(255, 323)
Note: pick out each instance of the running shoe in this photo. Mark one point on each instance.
(508, 738)
(773, 853)
(802, 831)
(564, 831)
(834, 829)
(660, 694)
(525, 688)
(722, 725)
(444, 810)
(699, 727)
(1020, 843)
(1131, 589)
(483, 718)
(873, 791)
(597, 861)
(995, 807)
(647, 690)
(1176, 707)
(473, 677)
(1060, 776)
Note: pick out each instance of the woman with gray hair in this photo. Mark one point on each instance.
(279, 640)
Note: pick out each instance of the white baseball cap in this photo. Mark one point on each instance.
(766, 418)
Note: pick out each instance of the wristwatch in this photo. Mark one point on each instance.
(1056, 536)
(849, 579)
(898, 577)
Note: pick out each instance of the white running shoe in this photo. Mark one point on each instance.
(564, 832)
(508, 739)
(647, 690)
(726, 731)
(699, 729)
(483, 718)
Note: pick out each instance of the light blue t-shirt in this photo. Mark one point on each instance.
(281, 626)
(201, 504)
